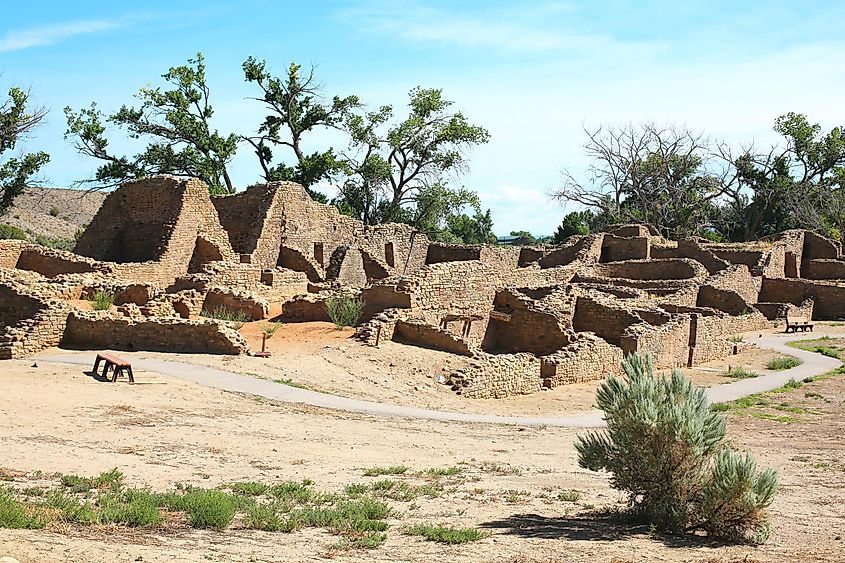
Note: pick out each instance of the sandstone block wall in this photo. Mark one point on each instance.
(616, 248)
(93, 330)
(829, 297)
(246, 302)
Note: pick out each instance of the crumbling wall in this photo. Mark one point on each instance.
(28, 324)
(419, 333)
(823, 269)
(251, 305)
(601, 318)
(582, 249)
(829, 297)
(98, 330)
(346, 267)
(518, 323)
(587, 358)
(616, 248)
(663, 270)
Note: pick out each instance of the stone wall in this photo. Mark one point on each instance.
(101, 330)
(823, 269)
(616, 248)
(419, 333)
(583, 249)
(829, 297)
(246, 302)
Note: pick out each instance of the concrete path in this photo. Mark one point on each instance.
(814, 364)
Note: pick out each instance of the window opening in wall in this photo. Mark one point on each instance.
(318, 253)
(388, 254)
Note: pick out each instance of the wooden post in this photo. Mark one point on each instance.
(263, 340)
(378, 335)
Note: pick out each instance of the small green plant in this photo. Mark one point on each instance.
(443, 471)
(344, 310)
(446, 534)
(270, 329)
(102, 300)
(209, 508)
(569, 496)
(133, 507)
(236, 318)
(782, 363)
(736, 339)
(392, 470)
(667, 448)
(54, 211)
(13, 514)
(10, 232)
(268, 518)
(741, 373)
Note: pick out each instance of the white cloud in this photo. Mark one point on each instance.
(517, 30)
(52, 34)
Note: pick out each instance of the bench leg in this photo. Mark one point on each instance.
(97, 364)
(115, 371)
(106, 367)
(131, 377)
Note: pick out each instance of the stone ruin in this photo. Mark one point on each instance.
(530, 318)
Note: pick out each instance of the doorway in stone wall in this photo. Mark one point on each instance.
(204, 252)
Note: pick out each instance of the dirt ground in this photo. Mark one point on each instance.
(53, 212)
(57, 419)
(320, 357)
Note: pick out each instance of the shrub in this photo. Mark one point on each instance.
(740, 372)
(445, 534)
(209, 509)
(344, 310)
(102, 300)
(666, 447)
(13, 514)
(236, 317)
(10, 232)
(266, 517)
(569, 496)
(54, 211)
(392, 470)
(133, 508)
(249, 488)
(270, 329)
(782, 363)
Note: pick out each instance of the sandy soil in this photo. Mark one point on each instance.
(57, 419)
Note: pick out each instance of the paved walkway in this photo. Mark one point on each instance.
(814, 364)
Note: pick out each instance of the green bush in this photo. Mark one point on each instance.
(445, 534)
(13, 514)
(740, 372)
(782, 363)
(133, 508)
(344, 310)
(10, 232)
(102, 300)
(268, 518)
(209, 508)
(666, 448)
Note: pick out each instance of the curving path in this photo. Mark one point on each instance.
(814, 364)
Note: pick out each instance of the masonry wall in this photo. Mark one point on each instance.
(92, 330)
(418, 333)
(586, 249)
(253, 220)
(829, 297)
(616, 248)
(824, 269)
(666, 269)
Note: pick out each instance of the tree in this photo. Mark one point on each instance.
(477, 229)
(17, 121)
(398, 173)
(662, 176)
(296, 108)
(178, 124)
(575, 223)
(666, 448)
(524, 236)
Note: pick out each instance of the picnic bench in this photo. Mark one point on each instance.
(117, 366)
(793, 324)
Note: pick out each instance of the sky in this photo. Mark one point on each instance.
(535, 74)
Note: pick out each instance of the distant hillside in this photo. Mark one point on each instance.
(51, 214)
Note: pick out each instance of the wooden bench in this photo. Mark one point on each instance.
(793, 324)
(117, 366)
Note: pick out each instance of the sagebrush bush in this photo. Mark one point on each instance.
(344, 310)
(13, 514)
(666, 448)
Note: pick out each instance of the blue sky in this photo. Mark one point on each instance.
(533, 73)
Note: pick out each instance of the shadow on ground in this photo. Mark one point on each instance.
(597, 527)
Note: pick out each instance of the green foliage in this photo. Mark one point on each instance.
(249, 488)
(177, 123)
(526, 237)
(296, 108)
(209, 508)
(112, 479)
(443, 471)
(463, 229)
(236, 317)
(666, 448)
(10, 232)
(102, 300)
(268, 517)
(446, 534)
(133, 507)
(569, 496)
(740, 372)
(392, 470)
(575, 223)
(400, 172)
(17, 121)
(344, 310)
(13, 514)
(270, 329)
(782, 363)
